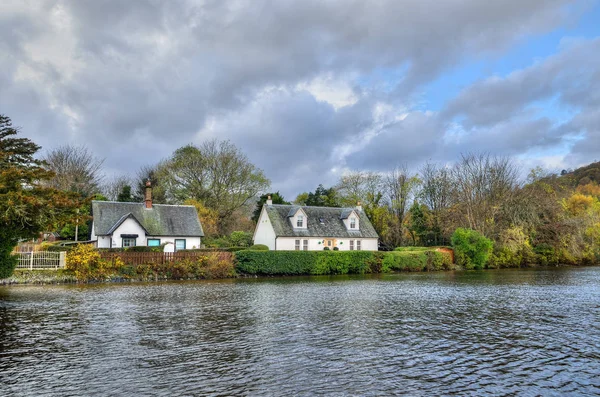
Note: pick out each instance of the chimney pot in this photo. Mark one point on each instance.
(358, 206)
(269, 200)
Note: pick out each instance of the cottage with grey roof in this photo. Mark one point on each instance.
(294, 227)
(117, 224)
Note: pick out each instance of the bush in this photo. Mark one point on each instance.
(259, 247)
(472, 250)
(8, 261)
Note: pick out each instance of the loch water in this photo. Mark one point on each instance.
(507, 332)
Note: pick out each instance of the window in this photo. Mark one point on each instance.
(329, 242)
(352, 223)
(305, 245)
(128, 242)
(351, 245)
(300, 221)
(358, 245)
(153, 242)
(179, 244)
(297, 247)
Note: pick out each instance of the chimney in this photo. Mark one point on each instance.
(269, 201)
(148, 198)
(358, 206)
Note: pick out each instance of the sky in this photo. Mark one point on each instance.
(308, 90)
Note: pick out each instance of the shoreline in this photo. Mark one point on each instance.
(64, 277)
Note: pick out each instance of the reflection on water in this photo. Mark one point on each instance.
(494, 332)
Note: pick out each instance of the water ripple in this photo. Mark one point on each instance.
(494, 333)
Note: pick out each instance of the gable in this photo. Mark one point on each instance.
(160, 220)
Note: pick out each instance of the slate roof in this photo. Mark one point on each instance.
(332, 225)
(160, 220)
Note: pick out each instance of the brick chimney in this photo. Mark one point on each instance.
(269, 201)
(148, 197)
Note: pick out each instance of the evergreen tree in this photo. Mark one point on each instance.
(26, 206)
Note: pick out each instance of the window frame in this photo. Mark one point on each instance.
(351, 245)
(300, 221)
(297, 245)
(353, 223)
(184, 244)
(304, 245)
(358, 245)
(152, 239)
(123, 239)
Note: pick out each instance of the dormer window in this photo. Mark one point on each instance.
(300, 221)
(352, 223)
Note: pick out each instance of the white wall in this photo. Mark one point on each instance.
(264, 233)
(129, 226)
(289, 244)
(103, 242)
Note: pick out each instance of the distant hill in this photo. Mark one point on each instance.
(582, 175)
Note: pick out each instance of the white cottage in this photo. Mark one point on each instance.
(294, 227)
(117, 225)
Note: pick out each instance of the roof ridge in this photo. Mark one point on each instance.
(136, 203)
(312, 206)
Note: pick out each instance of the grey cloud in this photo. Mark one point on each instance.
(141, 78)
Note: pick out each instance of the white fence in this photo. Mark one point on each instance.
(41, 260)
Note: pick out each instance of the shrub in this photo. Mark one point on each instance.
(325, 248)
(8, 261)
(259, 247)
(84, 260)
(472, 250)
(336, 249)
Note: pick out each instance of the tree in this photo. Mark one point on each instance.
(323, 197)
(400, 189)
(156, 175)
(114, 186)
(472, 250)
(75, 169)
(125, 195)
(275, 197)
(419, 223)
(217, 174)
(436, 193)
(483, 185)
(27, 205)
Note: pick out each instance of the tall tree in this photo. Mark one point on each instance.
(215, 173)
(27, 206)
(114, 186)
(125, 195)
(483, 184)
(76, 170)
(156, 174)
(322, 197)
(400, 191)
(276, 198)
(436, 193)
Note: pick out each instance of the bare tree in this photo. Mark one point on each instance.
(400, 189)
(113, 187)
(436, 193)
(76, 170)
(483, 183)
(362, 186)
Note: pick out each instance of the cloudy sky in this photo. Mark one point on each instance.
(307, 89)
